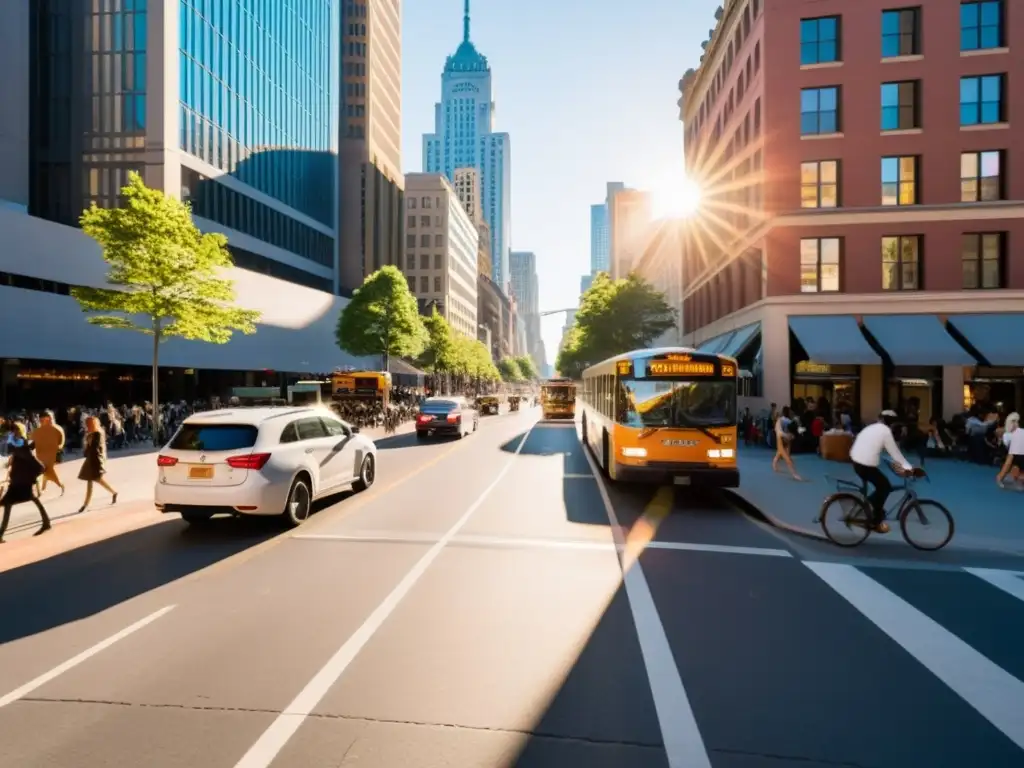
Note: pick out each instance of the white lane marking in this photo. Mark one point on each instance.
(1011, 582)
(994, 693)
(512, 541)
(277, 735)
(722, 548)
(684, 746)
(60, 669)
(579, 477)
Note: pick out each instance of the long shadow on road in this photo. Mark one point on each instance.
(90, 579)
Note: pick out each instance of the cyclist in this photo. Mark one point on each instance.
(866, 455)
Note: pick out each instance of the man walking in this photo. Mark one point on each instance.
(49, 442)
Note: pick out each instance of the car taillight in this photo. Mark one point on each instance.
(166, 461)
(252, 461)
(453, 418)
(423, 418)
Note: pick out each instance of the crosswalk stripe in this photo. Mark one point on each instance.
(1010, 582)
(994, 693)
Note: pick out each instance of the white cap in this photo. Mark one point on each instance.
(889, 413)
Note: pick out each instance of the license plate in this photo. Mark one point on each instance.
(200, 473)
(684, 480)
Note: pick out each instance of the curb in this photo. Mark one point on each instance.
(750, 509)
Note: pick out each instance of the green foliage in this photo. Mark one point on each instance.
(510, 370)
(615, 316)
(527, 367)
(440, 352)
(478, 360)
(165, 275)
(382, 318)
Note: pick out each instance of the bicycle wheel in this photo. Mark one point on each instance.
(844, 519)
(926, 521)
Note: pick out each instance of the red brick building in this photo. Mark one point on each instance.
(864, 209)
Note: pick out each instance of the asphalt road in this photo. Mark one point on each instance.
(471, 610)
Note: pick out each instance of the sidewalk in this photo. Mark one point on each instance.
(132, 472)
(987, 518)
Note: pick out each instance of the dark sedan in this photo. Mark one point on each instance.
(450, 416)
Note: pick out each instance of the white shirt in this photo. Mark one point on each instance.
(872, 442)
(1016, 444)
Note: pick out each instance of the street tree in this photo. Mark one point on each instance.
(527, 367)
(509, 370)
(166, 277)
(615, 316)
(382, 319)
(439, 355)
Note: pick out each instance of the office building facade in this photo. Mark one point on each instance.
(526, 288)
(599, 244)
(629, 229)
(214, 103)
(371, 229)
(865, 197)
(441, 251)
(464, 137)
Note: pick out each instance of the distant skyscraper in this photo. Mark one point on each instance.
(585, 282)
(371, 181)
(523, 268)
(464, 137)
(600, 231)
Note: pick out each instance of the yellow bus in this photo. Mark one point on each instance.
(558, 399)
(663, 415)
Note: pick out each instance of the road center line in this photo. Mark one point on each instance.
(994, 693)
(60, 669)
(684, 746)
(273, 740)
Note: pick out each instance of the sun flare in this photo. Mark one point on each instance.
(679, 201)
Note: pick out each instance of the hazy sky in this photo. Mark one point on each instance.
(588, 93)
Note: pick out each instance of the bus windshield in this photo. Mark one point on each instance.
(676, 403)
(558, 394)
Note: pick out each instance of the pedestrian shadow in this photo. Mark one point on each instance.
(82, 582)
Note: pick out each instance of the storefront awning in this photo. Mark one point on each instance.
(998, 338)
(917, 340)
(715, 345)
(741, 340)
(833, 340)
(399, 366)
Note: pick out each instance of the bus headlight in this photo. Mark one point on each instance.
(634, 453)
(721, 453)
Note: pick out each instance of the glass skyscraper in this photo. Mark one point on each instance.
(243, 125)
(464, 137)
(600, 245)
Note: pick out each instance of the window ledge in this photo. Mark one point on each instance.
(986, 127)
(822, 65)
(983, 52)
(902, 132)
(901, 59)
(821, 136)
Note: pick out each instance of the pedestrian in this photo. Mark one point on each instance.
(94, 466)
(49, 440)
(783, 441)
(24, 470)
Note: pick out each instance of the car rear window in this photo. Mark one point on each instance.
(439, 406)
(214, 437)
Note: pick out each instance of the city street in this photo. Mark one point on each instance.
(490, 602)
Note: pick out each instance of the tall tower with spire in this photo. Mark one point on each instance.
(464, 137)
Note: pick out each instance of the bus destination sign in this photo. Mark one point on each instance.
(680, 368)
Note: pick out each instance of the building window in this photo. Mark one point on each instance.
(981, 25)
(424, 284)
(901, 263)
(819, 264)
(819, 40)
(411, 222)
(899, 180)
(819, 111)
(437, 285)
(981, 177)
(901, 33)
(819, 184)
(412, 283)
(410, 262)
(900, 108)
(982, 255)
(410, 241)
(981, 100)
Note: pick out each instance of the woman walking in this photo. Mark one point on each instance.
(23, 473)
(783, 438)
(94, 467)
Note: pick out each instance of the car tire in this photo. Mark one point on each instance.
(299, 505)
(367, 474)
(421, 435)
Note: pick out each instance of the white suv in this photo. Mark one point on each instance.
(261, 461)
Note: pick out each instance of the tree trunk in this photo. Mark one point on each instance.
(156, 384)
(385, 360)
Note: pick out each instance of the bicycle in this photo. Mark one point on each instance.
(849, 510)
